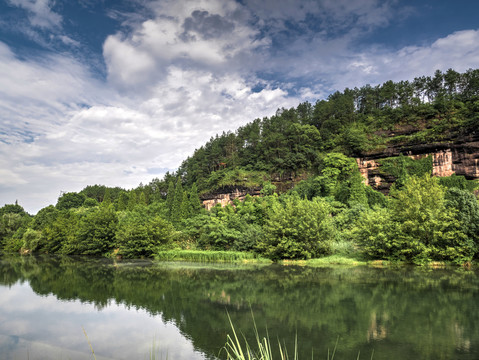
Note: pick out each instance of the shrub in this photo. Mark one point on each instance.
(297, 229)
(139, 235)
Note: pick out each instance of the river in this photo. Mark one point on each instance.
(57, 307)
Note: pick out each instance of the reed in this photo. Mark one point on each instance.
(208, 256)
(89, 343)
(237, 349)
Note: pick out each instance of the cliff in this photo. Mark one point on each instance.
(227, 197)
(459, 155)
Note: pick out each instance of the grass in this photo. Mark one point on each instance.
(342, 260)
(208, 256)
(237, 349)
(336, 260)
(241, 350)
(89, 343)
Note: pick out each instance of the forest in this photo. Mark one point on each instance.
(312, 199)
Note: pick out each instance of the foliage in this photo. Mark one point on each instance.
(70, 200)
(139, 235)
(467, 212)
(401, 167)
(13, 220)
(458, 182)
(31, 239)
(206, 256)
(60, 234)
(297, 229)
(226, 178)
(417, 226)
(96, 233)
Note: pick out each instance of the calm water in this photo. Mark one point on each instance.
(179, 311)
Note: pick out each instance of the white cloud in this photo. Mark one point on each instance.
(44, 325)
(40, 13)
(459, 51)
(195, 34)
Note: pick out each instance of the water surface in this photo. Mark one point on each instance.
(179, 310)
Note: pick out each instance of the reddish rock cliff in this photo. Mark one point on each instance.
(460, 157)
(210, 201)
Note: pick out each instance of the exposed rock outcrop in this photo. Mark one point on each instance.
(211, 200)
(460, 157)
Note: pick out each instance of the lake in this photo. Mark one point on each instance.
(130, 309)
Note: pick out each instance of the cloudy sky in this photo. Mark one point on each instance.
(118, 92)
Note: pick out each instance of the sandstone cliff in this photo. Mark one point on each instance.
(458, 156)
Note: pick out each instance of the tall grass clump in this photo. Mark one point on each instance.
(207, 256)
(241, 350)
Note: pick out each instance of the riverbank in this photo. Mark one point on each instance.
(253, 258)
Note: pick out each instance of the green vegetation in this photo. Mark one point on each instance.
(236, 349)
(208, 256)
(312, 199)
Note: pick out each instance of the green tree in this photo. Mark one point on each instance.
(194, 199)
(185, 207)
(122, 201)
(141, 235)
(132, 200)
(32, 240)
(70, 200)
(96, 233)
(467, 207)
(297, 229)
(417, 226)
(178, 199)
(13, 219)
(60, 233)
(170, 197)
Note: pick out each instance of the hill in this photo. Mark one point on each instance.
(309, 169)
(436, 116)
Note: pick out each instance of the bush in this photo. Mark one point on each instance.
(417, 226)
(31, 239)
(297, 229)
(142, 236)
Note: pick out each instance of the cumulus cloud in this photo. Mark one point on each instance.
(203, 35)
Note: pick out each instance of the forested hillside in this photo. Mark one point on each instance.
(326, 207)
(353, 122)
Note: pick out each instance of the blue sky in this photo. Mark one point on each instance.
(119, 92)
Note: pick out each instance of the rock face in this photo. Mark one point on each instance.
(227, 198)
(460, 158)
(457, 156)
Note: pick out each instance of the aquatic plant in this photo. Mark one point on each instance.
(207, 256)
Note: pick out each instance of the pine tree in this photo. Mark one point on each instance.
(176, 208)
(170, 197)
(142, 201)
(195, 202)
(132, 202)
(123, 201)
(185, 207)
(106, 199)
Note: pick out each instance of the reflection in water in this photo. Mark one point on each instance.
(34, 327)
(130, 308)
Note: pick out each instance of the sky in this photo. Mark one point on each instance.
(118, 92)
